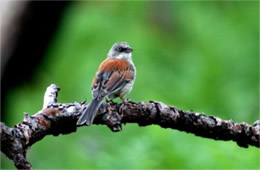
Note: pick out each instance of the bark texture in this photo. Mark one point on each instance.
(56, 118)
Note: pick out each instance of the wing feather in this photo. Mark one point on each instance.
(112, 76)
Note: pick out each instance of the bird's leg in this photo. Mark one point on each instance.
(84, 101)
(109, 100)
(124, 100)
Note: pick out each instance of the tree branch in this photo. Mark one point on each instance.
(56, 118)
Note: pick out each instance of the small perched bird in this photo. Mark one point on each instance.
(114, 78)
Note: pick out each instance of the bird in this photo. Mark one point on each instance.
(115, 78)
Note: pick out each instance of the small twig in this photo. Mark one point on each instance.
(56, 118)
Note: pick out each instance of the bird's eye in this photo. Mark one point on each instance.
(120, 49)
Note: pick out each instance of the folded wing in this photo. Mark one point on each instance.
(112, 76)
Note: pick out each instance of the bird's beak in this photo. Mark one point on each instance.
(129, 50)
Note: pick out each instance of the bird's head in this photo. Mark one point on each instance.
(120, 50)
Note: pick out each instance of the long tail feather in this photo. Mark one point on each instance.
(88, 116)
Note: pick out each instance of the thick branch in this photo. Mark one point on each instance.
(56, 118)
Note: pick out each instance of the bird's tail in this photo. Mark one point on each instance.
(88, 116)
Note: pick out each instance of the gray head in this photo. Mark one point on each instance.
(120, 50)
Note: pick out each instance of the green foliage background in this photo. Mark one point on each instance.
(202, 56)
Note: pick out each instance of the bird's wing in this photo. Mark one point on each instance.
(113, 75)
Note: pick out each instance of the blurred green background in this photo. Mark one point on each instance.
(202, 56)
